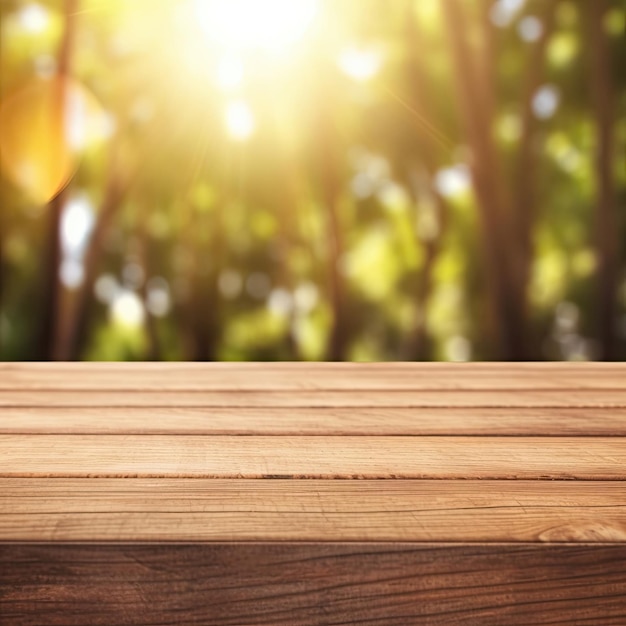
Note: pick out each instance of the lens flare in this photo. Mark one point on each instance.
(45, 126)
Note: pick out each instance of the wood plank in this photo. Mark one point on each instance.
(595, 458)
(311, 376)
(314, 421)
(582, 398)
(311, 584)
(310, 510)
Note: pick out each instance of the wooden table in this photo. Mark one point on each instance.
(389, 494)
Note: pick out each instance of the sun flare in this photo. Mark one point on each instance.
(271, 25)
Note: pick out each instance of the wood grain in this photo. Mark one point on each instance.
(310, 376)
(310, 510)
(489, 494)
(595, 458)
(362, 421)
(314, 584)
(582, 398)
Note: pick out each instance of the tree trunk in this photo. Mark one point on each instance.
(50, 287)
(154, 352)
(2, 231)
(73, 332)
(426, 146)
(506, 300)
(606, 211)
(524, 199)
(329, 167)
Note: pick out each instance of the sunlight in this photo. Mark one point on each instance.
(77, 222)
(230, 73)
(127, 309)
(360, 64)
(34, 18)
(250, 24)
(453, 181)
(239, 120)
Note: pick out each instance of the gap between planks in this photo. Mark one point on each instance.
(343, 457)
(316, 510)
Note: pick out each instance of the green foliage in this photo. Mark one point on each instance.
(346, 209)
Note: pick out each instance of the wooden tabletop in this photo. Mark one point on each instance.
(293, 493)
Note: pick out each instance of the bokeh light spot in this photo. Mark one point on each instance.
(158, 297)
(452, 181)
(360, 64)
(546, 102)
(34, 18)
(530, 28)
(76, 225)
(127, 309)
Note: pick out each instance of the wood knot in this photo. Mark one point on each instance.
(584, 532)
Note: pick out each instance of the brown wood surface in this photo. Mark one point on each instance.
(359, 421)
(311, 510)
(302, 584)
(476, 399)
(333, 457)
(176, 493)
(311, 376)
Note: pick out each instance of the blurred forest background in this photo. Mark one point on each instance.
(313, 179)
